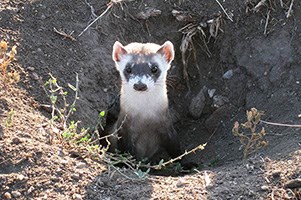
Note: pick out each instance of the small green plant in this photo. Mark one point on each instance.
(9, 120)
(253, 141)
(54, 92)
(85, 140)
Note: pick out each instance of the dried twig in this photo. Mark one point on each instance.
(280, 124)
(62, 33)
(281, 3)
(257, 7)
(110, 4)
(112, 134)
(92, 9)
(266, 23)
(290, 10)
(161, 165)
(229, 17)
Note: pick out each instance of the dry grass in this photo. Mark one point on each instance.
(252, 141)
(8, 76)
(196, 33)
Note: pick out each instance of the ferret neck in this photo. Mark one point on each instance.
(147, 104)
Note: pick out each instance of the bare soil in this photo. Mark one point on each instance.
(253, 63)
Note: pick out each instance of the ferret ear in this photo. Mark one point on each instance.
(118, 51)
(167, 51)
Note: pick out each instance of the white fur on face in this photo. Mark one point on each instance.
(147, 80)
(121, 65)
(147, 104)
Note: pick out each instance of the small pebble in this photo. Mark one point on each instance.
(77, 196)
(264, 187)
(211, 92)
(30, 189)
(180, 183)
(16, 141)
(7, 195)
(81, 165)
(16, 194)
(228, 74)
(35, 76)
(31, 68)
(75, 177)
(293, 184)
(219, 100)
(20, 177)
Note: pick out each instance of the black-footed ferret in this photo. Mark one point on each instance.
(144, 124)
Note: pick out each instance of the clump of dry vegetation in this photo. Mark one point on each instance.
(8, 76)
(250, 138)
(197, 34)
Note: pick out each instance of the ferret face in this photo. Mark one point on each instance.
(142, 67)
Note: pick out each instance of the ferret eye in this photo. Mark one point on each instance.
(128, 68)
(154, 68)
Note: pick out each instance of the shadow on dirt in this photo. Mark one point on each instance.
(116, 186)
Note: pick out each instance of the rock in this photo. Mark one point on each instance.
(197, 104)
(35, 76)
(21, 177)
(31, 68)
(211, 92)
(30, 189)
(77, 196)
(100, 183)
(180, 183)
(218, 116)
(81, 165)
(264, 188)
(1, 133)
(219, 100)
(64, 162)
(293, 184)
(75, 176)
(16, 141)
(7, 195)
(16, 194)
(228, 74)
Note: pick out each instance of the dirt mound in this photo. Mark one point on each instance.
(232, 66)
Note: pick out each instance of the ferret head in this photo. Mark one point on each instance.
(143, 66)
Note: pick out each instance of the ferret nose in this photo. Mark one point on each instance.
(140, 86)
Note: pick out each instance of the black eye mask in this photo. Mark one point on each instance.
(142, 69)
